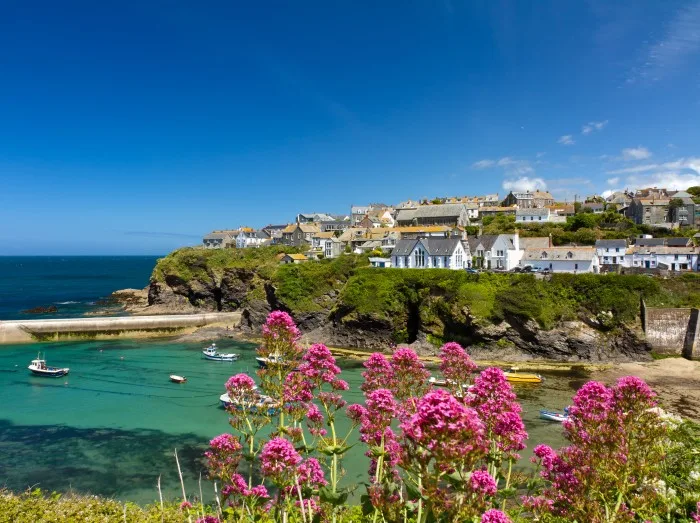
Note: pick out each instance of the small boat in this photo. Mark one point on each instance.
(438, 382)
(272, 359)
(210, 353)
(177, 379)
(513, 376)
(551, 415)
(39, 368)
(261, 404)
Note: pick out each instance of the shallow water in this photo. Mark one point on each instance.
(111, 425)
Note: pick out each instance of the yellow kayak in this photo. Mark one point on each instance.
(521, 377)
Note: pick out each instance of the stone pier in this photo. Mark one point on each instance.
(672, 331)
(31, 331)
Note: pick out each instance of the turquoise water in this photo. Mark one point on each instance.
(111, 425)
(70, 283)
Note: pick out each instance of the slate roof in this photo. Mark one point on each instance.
(649, 242)
(540, 242)
(678, 242)
(532, 212)
(560, 254)
(444, 210)
(611, 244)
(434, 246)
(404, 247)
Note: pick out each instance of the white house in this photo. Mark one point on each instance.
(326, 245)
(536, 215)
(662, 257)
(425, 253)
(250, 238)
(611, 252)
(562, 259)
(495, 251)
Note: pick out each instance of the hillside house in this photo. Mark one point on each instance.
(676, 259)
(326, 245)
(495, 251)
(298, 234)
(293, 259)
(537, 215)
(424, 253)
(219, 239)
(562, 259)
(439, 214)
(611, 253)
(529, 200)
(250, 238)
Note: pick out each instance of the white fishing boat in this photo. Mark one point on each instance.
(177, 379)
(551, 415)
(259, 404)
(272, 359)
(39, 368)
(211, 353)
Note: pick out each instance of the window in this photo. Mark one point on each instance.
(458, 259)
(675, 256)
(499, 253)
(543, 255)
(575, 266)
(420, 258)
(617, 249)
(446, 262)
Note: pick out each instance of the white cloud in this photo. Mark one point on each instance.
(667, 180)
(613, 181)
(608, 192)
(593, 126)
(540, 155)
(567, 139)
(636, 153)
(635, 169)
(524, 184)
(680, 42)
(483, 164)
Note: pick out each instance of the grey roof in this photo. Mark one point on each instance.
(434, 246)
(272, 227)
(678, 242)
(487, 240)
(536, 242)
(560, 253)
(680, 194)
(532, 212)
(594, 205)
(217, 236)
(439, 211)
(404, 247)
(611, 244)
(649, 242)
(405, 215)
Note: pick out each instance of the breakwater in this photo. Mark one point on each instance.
(672, 330)
(30, 331)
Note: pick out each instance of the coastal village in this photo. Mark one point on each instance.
(453, 233)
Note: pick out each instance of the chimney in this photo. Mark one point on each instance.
(550, 239)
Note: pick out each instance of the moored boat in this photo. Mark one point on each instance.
(551, 415)
(438, 382)
(39, 368)
(513, 376)
(177, 379)
(259, 404)
(272, 359)
(211, 353)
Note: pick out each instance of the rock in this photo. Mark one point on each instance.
(41, 310)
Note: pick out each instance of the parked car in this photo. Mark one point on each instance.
(517, 269)
(527, 268)
(471, 271)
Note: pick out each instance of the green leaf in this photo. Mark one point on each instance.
(333, 498)
(413, 492)
(366, 503)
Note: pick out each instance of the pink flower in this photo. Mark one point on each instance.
(455, 364)
(356, 412)
(410, 375)
(696, 515)
(185, 505)
(318, 365)
(482, 483)
(279, 324)
(225, 442)
(241, 382)
(494, 516)
(259, 491)
(208, 519)
(278, 460)
(445, 429)
(379, 373)
(223, 456)
(311, 474)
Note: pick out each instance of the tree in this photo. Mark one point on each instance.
(675, 203)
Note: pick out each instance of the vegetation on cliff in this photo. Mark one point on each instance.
(442, 303)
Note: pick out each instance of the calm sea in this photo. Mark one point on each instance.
(110, 426)
(72, 284)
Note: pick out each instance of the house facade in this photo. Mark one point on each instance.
(495, 251)
(649, 211)
(219, 239)
(326, 245)
(611, 253)
(529, 200)
(250, 238)
(298, 234)
(429, 253)
(532, 215)
(568, 259)
(675, 259)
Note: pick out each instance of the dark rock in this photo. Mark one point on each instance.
(41, 310)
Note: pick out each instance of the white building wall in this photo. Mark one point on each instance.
(569, 266)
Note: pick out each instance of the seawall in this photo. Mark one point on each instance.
(31, 331)
(672, 331)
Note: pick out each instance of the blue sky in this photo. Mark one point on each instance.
(137, 128)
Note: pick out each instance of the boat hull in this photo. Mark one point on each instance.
(523, 378)
(178, 379)
(49, 373)
(223, 357)
(553, 416)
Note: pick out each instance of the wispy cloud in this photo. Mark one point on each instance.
(668, 54)
(636, 153)
(483, 164)
(613, 181)
(593, 126)
(524, 183)
(567, 139)
(668, 180)
(510, 166)
(677, 174)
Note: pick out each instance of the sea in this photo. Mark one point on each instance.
(113, 425)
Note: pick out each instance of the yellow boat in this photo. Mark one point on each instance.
(521, 377)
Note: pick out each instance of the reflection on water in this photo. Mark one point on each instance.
(111, 425)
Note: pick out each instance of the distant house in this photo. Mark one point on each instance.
(298, 234)
(620, 199)
(334, 225)
(380, 262)
(370, 222)
(595, 207)
(677, 259)
(326, 245)
(293, 258)
(219, 239)
(495, 251)
(650, 211)
(488, 200)
(275, 232)
(529, 200)
(250, 238)
(537, 215)
(439, 214)
(314, 217)
(611, 253)
(687, 213)
(424, 253)
(562, 259)
(493, 211)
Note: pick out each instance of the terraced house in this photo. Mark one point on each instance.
(455, 214)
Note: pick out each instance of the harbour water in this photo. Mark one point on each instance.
(110, 426)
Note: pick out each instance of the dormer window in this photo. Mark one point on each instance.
(544, 255)
(569, 254)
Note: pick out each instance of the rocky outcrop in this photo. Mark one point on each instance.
(421, 323)
(41, 310)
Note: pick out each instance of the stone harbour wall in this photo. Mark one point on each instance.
(672, 331)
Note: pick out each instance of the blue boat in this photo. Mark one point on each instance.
(551, 415)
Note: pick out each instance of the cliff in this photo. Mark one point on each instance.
(343, 302)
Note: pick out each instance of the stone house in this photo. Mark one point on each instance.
(219, 239)
(298, 234)
(438, 214)
(529, 200)
(650, 211)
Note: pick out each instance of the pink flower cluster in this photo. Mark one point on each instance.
(238, 486)
(379, 373)
(223, 455)
(278, 459)
(280, 325)
(455, 364)
(494, 516)
(614, 434)
(445, 429)
(495, 402)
